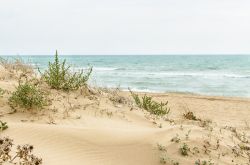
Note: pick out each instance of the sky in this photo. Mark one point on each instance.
(116, 27)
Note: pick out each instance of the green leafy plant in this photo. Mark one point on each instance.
(136, 98)
(3, 126)
(58, 76)
(27, 96)
(153, 107)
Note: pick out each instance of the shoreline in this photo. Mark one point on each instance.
(187, 94)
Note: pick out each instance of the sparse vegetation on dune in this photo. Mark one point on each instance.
(23, 154)
(16, 65)
(153, 107)
(58, 76)
(203, 162)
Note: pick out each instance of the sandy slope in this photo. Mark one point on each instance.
(94, 129)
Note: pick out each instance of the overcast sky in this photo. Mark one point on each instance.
(124, 26)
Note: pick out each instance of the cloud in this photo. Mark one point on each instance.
(124, 27)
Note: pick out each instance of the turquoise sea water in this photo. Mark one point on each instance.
(210, 75)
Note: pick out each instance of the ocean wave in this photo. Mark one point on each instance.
(104, 68)
(205, 74)
(188, 74)
(121, 69)
(96, 68)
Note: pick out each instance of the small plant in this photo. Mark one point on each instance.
(153, 107)
(24, 153)
(190, 116)
(115, 97)
(184, 149)
(204, 162)
(58, 76)
(1, 92)
(176, 139)
(205, 123)
(244, 147)
(175, 163)
(163, 159)
(27, 96)
(136, 98)
(161, 147)
(206, 147)
(3, 126)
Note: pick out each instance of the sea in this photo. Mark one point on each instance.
(217, 75)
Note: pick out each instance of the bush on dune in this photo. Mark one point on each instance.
(58, 76)
(27, 96)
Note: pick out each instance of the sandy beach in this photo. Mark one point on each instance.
(104, 126)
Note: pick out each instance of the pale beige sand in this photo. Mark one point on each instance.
(93, 130)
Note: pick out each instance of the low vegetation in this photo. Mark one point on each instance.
(203, 162)
(27, 96)
(161, 147)
(176, 139)
(190, 116)
(147, 103)
(23, 154)
(3, 126)
(58, 76)
(1, 92)
(184, 149)
(16, 65)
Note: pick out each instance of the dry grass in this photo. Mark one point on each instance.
(15, 65)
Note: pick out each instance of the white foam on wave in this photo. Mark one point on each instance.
(186, 74)
(97, 68)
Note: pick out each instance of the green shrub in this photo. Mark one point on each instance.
(27, 96)
(153, 107)
(58, 76)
